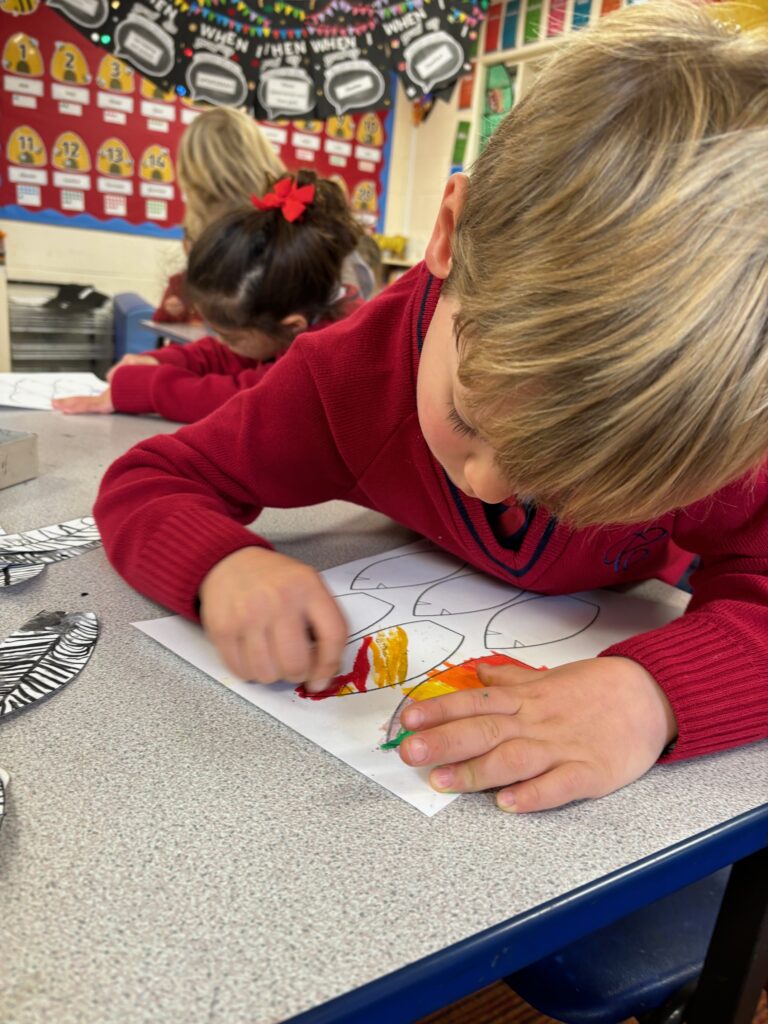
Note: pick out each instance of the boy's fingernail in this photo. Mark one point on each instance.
(317, 685)
(442, 778)
(506, 801)
(413, 718)
(417, 749)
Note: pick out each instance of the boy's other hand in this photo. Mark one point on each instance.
(133, 360)
(85, 403)
(581, 730)
(272, 618)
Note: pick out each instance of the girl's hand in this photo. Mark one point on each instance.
(85, 403)
(581, 730)
(173, 306)
(133, 360)
(271, 617)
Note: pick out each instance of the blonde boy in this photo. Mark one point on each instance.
(572, 392)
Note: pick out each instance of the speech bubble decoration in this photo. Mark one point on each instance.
(432, 59)
(216, 80)
(353, 84)
(145, 45)
(286, 91)
(88, 13)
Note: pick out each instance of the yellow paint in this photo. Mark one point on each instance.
(390, 656)
(389, 660)
(430, 688)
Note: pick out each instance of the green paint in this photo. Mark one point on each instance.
(402, 735)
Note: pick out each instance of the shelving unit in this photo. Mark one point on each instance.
(518, 36)
(48, 339)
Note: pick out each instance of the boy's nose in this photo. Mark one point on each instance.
(486, 481)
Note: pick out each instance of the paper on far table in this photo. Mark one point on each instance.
(184, 333)
(35, 390)
(419, 602)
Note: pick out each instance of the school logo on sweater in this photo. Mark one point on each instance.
(634, 548)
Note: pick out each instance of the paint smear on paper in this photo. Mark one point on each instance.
(459, 677)
(388, 666)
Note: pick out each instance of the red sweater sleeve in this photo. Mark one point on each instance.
(178, 394)
(175, 505)
(711, 661)
(206, 355)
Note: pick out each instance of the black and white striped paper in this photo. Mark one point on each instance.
(46, 653)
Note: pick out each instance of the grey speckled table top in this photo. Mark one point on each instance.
(172, 854)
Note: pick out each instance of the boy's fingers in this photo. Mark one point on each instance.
(574, 780)
(291, 647)
(453, 707)
(507, 763)
(260, 657)
(505, 675)
(459, 741)
(329, 630)
(232, 655)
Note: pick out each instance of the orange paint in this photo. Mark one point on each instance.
(460, 677)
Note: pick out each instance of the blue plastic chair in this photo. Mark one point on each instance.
(632, 967)
(130, 335)
(698, 956)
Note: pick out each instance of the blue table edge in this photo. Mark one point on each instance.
(458, 970)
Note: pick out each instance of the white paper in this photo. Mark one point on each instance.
(449, 613)
(184, 333)
(35, 390)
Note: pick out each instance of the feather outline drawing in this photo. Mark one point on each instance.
(49, 543)
(42, 656)
(10, 575)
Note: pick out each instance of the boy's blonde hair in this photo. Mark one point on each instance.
(223, 159)
(611, 270)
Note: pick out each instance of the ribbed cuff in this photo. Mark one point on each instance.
(132, 389)
(715, 689)
(187, 550)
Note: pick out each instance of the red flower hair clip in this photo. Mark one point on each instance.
(287, 196)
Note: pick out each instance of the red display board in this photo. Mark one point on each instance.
(88, 141)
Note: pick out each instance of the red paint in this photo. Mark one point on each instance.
(357, 677)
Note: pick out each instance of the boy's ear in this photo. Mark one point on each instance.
(295, 323)
(439, 254)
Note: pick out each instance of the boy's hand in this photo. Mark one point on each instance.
(133, 360)
(581, 730)
(85, 403)
(272, 618)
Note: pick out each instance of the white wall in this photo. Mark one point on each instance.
(420, 165)
(110, 262)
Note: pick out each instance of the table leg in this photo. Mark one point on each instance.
(736, 965)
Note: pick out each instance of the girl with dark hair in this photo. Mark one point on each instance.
(259, 276)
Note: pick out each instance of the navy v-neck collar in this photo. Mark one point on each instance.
(532, 544)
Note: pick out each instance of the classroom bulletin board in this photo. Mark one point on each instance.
(89, 142)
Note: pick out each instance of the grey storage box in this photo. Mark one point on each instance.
(18, 457)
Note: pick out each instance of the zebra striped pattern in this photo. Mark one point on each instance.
(4, 780)
(44, 655)
(49, 543)
(10, 575)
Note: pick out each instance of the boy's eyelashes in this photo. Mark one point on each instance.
(458, 423)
